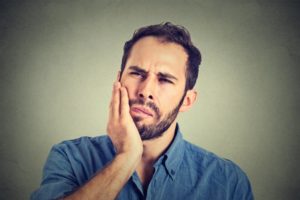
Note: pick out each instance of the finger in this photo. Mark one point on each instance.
(115, 101)
(113, 90)
(124, 109)
(111, 98)
(119, 76)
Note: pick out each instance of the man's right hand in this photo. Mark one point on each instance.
(108, 182)
(121, 127)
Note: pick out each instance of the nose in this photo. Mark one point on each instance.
(146, 89)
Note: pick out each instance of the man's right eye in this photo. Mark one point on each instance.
(135, 74)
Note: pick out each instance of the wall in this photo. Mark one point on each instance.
(59, 59)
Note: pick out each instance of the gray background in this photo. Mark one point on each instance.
(59, 59)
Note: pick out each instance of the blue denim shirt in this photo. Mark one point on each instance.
(185, 171)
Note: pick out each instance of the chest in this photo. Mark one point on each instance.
(163, 186)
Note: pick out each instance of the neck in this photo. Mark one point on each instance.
(153, 149)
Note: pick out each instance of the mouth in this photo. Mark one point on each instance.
(141, 112)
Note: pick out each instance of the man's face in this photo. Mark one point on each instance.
(154, 76)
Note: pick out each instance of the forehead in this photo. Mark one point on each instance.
(152, 54)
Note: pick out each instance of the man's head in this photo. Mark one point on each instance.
(159, 69)
(169, 33)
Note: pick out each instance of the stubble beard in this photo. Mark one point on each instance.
(159, 126)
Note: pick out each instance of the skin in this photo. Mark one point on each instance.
(155, 59)
(155, 78)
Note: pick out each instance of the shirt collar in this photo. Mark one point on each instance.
(174, 155)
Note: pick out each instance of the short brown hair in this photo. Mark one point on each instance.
(169, 32)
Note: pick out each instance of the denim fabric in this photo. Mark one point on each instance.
(185, 171)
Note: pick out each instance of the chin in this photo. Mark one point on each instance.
(141, 121)
(141, 124)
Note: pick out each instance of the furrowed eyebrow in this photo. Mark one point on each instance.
(167, 75)
(160, 74)
(137, 69)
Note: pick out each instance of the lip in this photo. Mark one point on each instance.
(141, 110)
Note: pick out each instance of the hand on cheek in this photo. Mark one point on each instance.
(121, 128)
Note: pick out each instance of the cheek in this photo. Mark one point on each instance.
(169, 99)
(170, 93)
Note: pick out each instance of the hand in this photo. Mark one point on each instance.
(121, 128)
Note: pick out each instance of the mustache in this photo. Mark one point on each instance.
(142, 102)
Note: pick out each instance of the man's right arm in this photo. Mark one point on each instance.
(107, 183)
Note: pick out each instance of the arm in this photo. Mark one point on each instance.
(121, 129)
(109, 181)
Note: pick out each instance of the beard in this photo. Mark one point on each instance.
(155, 130)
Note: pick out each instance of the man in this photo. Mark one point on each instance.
(144, 155)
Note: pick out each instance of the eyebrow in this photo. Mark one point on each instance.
(160, 74)
(167, 75)
(138, 69)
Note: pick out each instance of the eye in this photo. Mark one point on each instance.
(164, 80)
(135, 73)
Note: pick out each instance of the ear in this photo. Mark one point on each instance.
(189, 99)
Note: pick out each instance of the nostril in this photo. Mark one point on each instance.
(143, 96)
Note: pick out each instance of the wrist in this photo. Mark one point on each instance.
(133, 156)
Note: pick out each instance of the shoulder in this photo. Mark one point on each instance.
(212, 171)
(206, 162)
(83, 144)
(81, 153)
(83, 141)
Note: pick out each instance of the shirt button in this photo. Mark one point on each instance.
(172, 172)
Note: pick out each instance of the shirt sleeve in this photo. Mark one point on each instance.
(242, 189)
(58, 177)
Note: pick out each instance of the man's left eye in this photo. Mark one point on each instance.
(164, 80)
